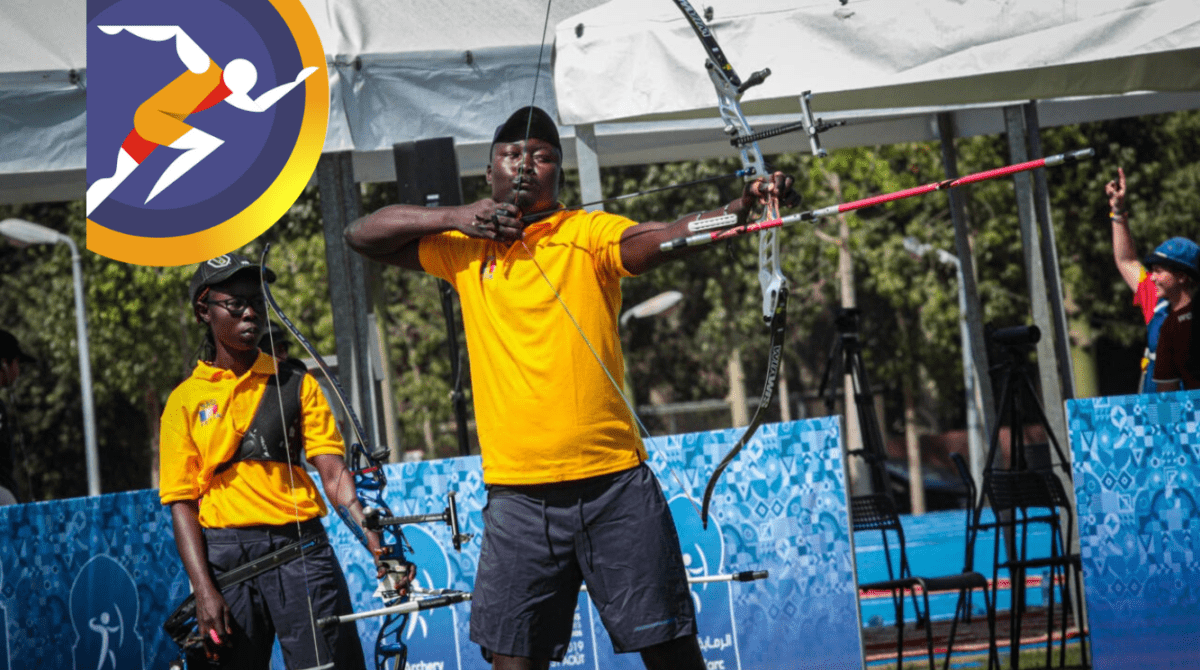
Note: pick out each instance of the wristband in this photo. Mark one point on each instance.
(1118, 216)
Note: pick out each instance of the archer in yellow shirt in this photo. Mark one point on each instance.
(569, 497)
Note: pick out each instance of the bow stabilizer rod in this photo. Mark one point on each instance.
(407, 607)
(446, 597)
(811, 215)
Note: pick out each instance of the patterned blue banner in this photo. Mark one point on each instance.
(86, 583)
(1137, 468)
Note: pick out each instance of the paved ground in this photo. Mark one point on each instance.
(970, 640)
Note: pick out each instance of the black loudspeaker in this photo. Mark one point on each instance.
(427, 172)
(427, 176)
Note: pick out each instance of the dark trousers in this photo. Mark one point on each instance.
(283, 602)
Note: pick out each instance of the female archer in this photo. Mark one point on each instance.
(232, 472)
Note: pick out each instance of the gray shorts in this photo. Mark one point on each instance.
(540, 543)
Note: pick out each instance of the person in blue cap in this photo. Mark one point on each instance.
(1175, 270)
(1147, 293)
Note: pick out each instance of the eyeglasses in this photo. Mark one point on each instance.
(237, 305)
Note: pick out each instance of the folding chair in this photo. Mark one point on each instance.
(1021, 500)
(877, 512)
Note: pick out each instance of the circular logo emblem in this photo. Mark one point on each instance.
(206, 119)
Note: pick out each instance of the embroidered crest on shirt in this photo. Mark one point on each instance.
(488, 269)
(207, 411)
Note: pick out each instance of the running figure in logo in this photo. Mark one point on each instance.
(160, 120)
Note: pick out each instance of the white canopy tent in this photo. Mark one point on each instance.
(402, 70)
(629, 59)
(884, 67)
(893, 71)
(399, 70)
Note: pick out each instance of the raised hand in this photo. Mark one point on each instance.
(1115, 190)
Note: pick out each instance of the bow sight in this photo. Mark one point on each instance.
(374, 520)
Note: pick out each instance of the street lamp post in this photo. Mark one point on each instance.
(975, 442)
(26, 232)
(659, 304)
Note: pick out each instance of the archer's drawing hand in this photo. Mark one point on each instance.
(1115, 190)
(499, 221)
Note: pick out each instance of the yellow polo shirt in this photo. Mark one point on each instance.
(545, 409)
(202, 426)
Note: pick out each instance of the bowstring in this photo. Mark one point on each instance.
(628, 402)
(607, 373)
(291, 466)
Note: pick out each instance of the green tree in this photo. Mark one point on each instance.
(144, 339)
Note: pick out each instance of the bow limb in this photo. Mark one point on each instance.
(729, 88)
(778, 328)
(339, 392)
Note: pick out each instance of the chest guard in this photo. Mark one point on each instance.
(264, 439)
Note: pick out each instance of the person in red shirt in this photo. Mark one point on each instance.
(1146, 293)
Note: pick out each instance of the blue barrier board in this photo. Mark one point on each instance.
(1137, 474)
(86, 583)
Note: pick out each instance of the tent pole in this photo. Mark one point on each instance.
(1058, 313)
(1040, 297)
(341, 205)
(587, 159)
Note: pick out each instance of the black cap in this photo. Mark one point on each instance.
(219, 269)
(10, 349)
(528, 122)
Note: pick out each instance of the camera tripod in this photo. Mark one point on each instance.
(1031, 482)
(1016, 395)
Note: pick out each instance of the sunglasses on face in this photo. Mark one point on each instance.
(237, 305)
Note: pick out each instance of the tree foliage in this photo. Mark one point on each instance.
(144, 340)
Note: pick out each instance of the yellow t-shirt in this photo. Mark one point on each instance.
(202, 426)
(545, 409)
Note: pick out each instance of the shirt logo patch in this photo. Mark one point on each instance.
(207, 411)
(488, 270)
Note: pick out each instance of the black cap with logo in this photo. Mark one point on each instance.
(219, 269)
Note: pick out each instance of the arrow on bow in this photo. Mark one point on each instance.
(812, 215)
